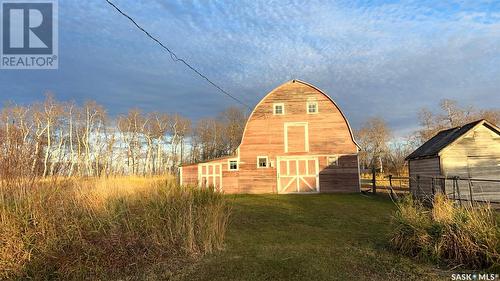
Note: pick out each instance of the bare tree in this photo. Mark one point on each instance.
(451, 115)
(396, 153)
(179, 129)
(51, 115)
(373, 138)
(233, 120)
(65, 139)
(160, 127)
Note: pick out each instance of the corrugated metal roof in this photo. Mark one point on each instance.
(441, 140)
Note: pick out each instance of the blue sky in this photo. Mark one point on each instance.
(374, 58)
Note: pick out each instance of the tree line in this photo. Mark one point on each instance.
(381, 150)
(53, 138)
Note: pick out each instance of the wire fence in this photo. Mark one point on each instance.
(423, 187)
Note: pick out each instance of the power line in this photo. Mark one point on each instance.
(175, 58)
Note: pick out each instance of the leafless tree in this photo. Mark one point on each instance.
(233, 120)
(373, 137)
(179, 129)
(398, 150)
(451, 115)
(53, 138)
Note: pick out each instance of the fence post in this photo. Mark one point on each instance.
(390, 184)
(455, 179)
(418, 186)
(453, 185)
(470, 192)
(374, 180)
(433, 188)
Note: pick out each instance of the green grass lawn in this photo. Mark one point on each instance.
(310, 237)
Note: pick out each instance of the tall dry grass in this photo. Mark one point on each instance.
(463, 236)
(106, 228)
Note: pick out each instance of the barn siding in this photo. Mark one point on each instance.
(342, 178)
(264, 135)
(328, 132)
(189, 175)
(423, 167)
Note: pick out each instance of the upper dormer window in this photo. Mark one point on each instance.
(278, 108)
(312, 107)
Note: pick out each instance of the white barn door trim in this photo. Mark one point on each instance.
(296, 124)
(291, 179)
(210, 177)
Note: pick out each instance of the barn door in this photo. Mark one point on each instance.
(210, 175)
(297, 175)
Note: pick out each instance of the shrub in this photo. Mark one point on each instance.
(106, 228)
(455, 235)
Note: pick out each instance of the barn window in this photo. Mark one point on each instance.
(233, 165)
(333, 161)
(312, 107)
(278, 109)
(262, 162)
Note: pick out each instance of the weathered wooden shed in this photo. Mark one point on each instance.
(468, 151)
(296, 140)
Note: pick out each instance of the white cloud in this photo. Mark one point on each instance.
(374, 59)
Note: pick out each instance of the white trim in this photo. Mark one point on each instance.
(210, 176)
(336, 160)
(229, 164)
(282, 108)
(359, 173)
(306, 134)
(199, 175)
(180, 176)
(297, 178)
(267, 162)
(309, 103)
(317, 155)
(317, 176)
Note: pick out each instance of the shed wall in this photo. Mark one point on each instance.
(423, 167)
(476, 154)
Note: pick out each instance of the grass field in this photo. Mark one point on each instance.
(310, 237)
(107, 228)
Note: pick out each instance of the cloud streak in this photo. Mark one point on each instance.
(374, 58)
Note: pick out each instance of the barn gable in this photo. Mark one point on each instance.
(295, 96)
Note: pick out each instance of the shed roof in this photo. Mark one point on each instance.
(444, 138)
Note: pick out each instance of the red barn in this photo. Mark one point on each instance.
(296, 140)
